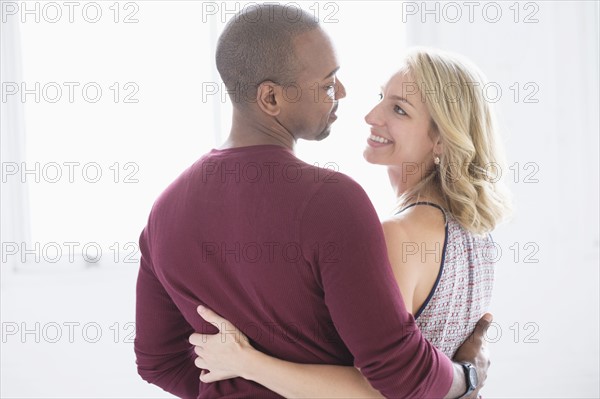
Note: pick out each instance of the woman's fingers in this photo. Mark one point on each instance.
(226, 328)
(213, 376)
(200, 363)
(218, 352)
(203, 376)
(206, 376)
(213, 318)
(199, 339)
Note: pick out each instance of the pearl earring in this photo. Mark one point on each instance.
(436, 160)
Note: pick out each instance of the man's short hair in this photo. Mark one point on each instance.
(257, 45)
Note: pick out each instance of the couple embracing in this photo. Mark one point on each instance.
(345, 311)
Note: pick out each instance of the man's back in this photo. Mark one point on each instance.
(283, 250)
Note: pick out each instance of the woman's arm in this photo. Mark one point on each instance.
(307, 380)
(231, 355)
(405, 237)
(230, 358)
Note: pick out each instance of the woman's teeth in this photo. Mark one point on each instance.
(379, 139)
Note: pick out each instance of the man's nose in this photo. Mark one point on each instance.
(341, 90)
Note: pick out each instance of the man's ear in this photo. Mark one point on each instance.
(267, 96)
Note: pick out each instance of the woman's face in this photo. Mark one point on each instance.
(400, 129)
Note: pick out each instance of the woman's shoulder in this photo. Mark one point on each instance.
(419, 222)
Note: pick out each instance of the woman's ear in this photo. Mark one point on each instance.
(267, 94)
(436, 137)
(438, 148)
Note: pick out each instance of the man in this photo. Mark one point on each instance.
(292, 254)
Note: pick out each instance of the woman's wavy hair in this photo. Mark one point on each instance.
(471, 163)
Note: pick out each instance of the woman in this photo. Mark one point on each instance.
(434, 131)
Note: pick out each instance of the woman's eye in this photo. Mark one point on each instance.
(399, 110)
(380, 96)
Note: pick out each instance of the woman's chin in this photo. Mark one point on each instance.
(371, 157)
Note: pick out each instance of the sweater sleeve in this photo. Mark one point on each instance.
(164, 355)
(362, 296)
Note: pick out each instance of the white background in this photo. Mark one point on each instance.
(545, 338)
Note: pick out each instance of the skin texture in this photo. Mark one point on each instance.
(415, 241)
(402, 117)
(306, 111)
(310, 116)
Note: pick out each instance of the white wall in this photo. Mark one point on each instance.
(139, 141)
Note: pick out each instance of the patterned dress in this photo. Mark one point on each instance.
(463, 288)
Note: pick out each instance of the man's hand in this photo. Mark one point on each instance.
(475, 351)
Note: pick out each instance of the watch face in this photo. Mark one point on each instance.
(473, 376)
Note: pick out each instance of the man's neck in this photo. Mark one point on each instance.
(247, 131)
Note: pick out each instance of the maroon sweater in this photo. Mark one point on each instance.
(294, 256)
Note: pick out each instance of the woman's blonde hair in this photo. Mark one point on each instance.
(471, 163)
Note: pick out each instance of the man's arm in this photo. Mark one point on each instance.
(164, 356)
(229, 355)
(227, 358)
(473, 351)
(364, 300)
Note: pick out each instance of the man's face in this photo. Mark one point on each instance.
(308, 110)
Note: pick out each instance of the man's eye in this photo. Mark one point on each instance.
(330, 90)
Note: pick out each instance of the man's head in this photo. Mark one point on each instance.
(278, 63)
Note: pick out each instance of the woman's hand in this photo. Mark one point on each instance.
(224, 354)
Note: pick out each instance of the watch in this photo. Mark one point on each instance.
(470, 377)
